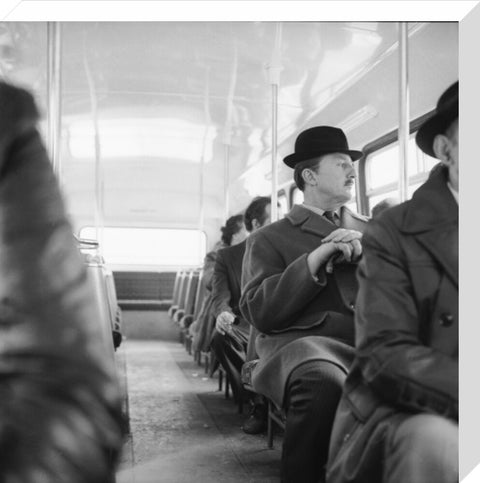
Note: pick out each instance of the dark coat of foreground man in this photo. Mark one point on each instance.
(397, 421)
(59, 400)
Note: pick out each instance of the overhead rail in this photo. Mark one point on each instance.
(404, 111)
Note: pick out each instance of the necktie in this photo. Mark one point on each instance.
(330, 216)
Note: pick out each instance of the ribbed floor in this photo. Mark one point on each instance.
(182, 428)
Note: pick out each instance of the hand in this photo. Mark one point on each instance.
(343, 235)
(224, 322)
(341, 245)
(348, 243)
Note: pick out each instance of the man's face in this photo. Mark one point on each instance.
(453, 164)
(445, 147)
(335, 177)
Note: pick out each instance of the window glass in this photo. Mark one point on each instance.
(382, 167)
(297, 196)
(282, 200)
(149, 246)
(382, 171)
(374, 200)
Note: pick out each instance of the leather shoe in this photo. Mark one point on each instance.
(256, 422)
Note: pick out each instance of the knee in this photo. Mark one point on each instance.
(317, 384)
(429, 439)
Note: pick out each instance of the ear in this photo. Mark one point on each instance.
(308, 177)
(441, 148)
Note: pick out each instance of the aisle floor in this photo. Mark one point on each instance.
(182, 428)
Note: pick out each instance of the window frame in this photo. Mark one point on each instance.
(374, 146)
(144, 266)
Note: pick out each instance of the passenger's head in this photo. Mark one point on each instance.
(258, 213)
(323, 166)
(383, 205)
(438, 136)
(234, 230)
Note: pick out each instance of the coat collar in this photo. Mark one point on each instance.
(312, 222)
(431, 206)
(432, 217)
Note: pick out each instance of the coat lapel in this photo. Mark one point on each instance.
(309, 221)
(442, 244)
(432, 218)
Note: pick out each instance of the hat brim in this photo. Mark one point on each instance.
(437, 124)
(292, 159)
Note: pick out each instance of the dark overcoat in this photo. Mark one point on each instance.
(299, 318)
(406, 328)
(226, 283)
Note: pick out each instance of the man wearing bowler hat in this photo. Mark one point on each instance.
(299, 289)
(397, 421)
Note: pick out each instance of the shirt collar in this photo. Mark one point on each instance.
(319, 211)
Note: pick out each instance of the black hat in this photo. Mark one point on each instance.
(318, 141)
(445, 113)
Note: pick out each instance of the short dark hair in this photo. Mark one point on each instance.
(299, 167)
(256, 211)
(232, 226)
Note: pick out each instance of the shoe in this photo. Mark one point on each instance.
(256, 422)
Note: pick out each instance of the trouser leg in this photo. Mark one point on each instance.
(422, 449)
(312, 395)
(230, 350)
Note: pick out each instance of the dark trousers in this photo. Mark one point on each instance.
(312, 395)
(230, 350)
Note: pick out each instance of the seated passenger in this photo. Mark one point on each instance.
(230, 339)
(298, 291)
(383, 205)
(397, 421)
(233, 232)
(59, 406)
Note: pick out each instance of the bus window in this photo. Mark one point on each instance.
(297, 196)
(382, 171)
(283, 202)
(149, 246)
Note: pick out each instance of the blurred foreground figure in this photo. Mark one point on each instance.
(397, 421)
(59, 401)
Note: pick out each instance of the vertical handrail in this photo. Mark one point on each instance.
(274, 68)
(54, 59)
(404, 112)
(99, 187)
(208, 121)
(226, 178)
(274, 195)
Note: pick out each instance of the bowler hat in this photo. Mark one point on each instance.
(318, 141)
(445, 113)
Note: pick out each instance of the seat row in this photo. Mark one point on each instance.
(190, 311)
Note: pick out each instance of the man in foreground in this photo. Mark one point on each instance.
(398, 418)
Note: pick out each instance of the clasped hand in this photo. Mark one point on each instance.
(224, 322)
(341, 245)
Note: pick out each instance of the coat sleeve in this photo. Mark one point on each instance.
(393, 361)
(274, 293)
(221, 294)
(60, 403)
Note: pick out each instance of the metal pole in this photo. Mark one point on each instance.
(404, 112)
(226, 179)
(54, 93)
(97, 152)
(274, 207)
(274, 69)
